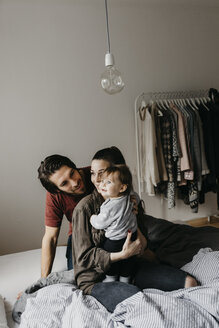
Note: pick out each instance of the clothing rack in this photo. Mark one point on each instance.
(148, 97)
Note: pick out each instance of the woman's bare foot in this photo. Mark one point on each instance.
(190, 282)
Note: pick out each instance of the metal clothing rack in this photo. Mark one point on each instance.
(148, 97)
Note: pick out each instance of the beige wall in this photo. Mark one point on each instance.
(51, 57)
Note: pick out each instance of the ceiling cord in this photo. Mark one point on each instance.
(107, 26)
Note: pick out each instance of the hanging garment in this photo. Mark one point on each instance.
(179, 149)
(209, 181)
(159, 150)
(184, 160)
(166, 139)
(204, 165)
(149, 172)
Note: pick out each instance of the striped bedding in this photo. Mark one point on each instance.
(63, 305)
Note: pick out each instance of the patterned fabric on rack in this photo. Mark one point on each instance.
(187, 149)
(148, 145)
(166, 140)
(159, 150)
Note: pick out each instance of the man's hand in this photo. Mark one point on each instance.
(19, 295)
(49, 243)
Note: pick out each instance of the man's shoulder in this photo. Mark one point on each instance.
(61, 199)
(52, 197)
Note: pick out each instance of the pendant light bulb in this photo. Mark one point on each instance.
(111, 80)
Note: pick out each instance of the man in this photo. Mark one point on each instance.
(66, 185)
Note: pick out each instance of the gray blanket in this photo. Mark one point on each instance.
(174, 244)
(31, 292)
(63, 305)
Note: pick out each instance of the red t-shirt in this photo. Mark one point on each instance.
(60, 204)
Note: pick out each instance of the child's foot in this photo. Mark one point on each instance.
(110, 278)
(124, 279)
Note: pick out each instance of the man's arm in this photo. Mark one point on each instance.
(49, 243)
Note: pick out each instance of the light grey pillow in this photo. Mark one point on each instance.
(204, 266)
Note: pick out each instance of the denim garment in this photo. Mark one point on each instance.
(159, 276)
(109, 294)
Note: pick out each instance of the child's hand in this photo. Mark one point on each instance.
(93, 217)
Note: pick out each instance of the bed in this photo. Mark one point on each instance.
(18, 271)
(196, 250)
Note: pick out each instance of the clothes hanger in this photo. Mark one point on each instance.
(142, 110)
(193, 103)
(159, 107)
(166, 103)
(163, 104)
(204, 103)
(176, 102)
(183, 101)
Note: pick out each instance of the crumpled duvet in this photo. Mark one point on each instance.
(31, 291)
(63, 306)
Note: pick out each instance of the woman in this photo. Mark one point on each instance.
(90, 261)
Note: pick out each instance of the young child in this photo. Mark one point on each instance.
(116, 217)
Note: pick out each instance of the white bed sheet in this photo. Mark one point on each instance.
(19, 270)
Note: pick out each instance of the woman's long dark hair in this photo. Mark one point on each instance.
(111, 154)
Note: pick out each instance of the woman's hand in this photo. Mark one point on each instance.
(131, 248)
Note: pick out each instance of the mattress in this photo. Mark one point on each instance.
(19, 270)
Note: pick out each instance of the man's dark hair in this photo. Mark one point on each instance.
(49, 166)
(124, 174)
(112, 155)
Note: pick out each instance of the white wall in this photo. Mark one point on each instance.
(51, 57)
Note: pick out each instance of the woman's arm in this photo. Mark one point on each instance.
(89, 260)
(88, 255)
